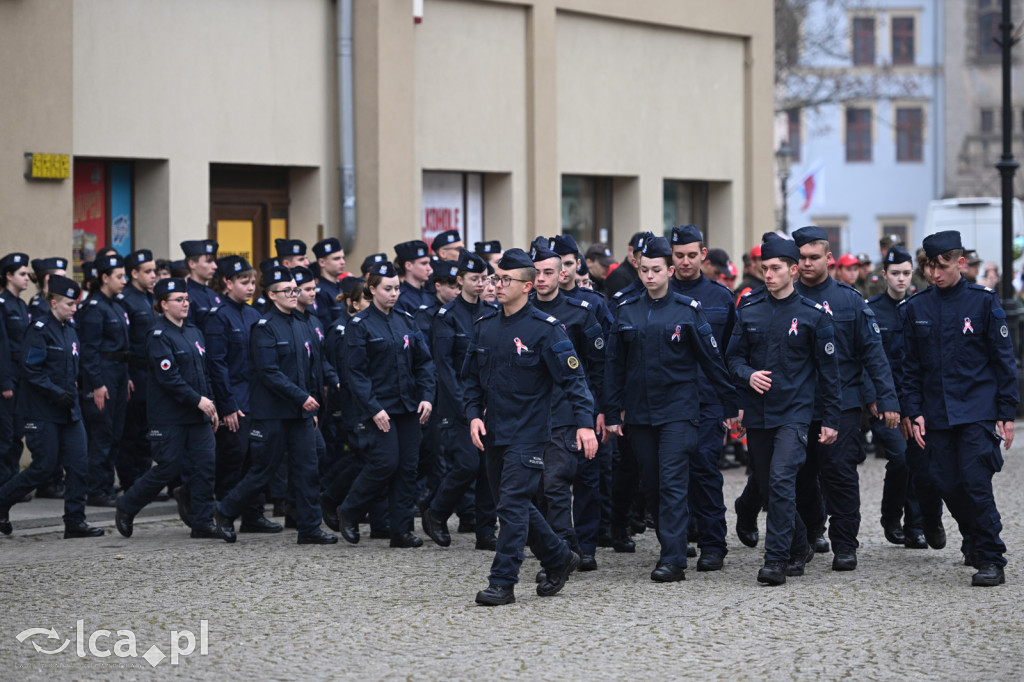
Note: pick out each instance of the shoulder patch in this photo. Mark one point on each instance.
(119, 297)
(40, 324)
(93, 301)
(214, 309)
(262, 322)
(442, 311)
(158, 332)
(813, 304)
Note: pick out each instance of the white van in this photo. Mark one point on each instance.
(979, 220)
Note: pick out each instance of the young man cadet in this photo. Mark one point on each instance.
(330, 259)
(448, 245)
(571, 481)
(412, 261)
(960, 391)
(901, 514)
(517, 354)
(291, 253)
(861, 358)
(450, 333)
(201, 261)
(707, 506)
(783, 351)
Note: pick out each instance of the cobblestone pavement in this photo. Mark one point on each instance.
(277, 610)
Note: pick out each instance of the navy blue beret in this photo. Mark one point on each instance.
(656, 247)
(59, 284)
(897, 255)
(325, 247)
(941, 242)
(287, 248)
(407, 251)
(487, 248)
(136, 258)
(276, 274)
(169, 285)
(470, 262)
(514, 259)
(775, 246)
(444, 239)
(539, 252)
(445, 268)
(808, 234)
(686, 234)
(14, 261)
(350, 283)
(563, 245)
(107, 264)
(641, 240)
(229, 266)
(199, 247)
(372, 260)
(384, 269)
(301, 275)
(44, 264)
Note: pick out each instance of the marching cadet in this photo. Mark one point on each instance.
(15, 273)
(451, 332)
(389, 371)
(901, 514)
(707, 504)
(517, 355)
(283, 412)
(861, 359)
(330, 259)
(133, 451)
(182, 415)
(48, 401)
(662, 338)
(201, 262)
(42, 269)
(103, 324)
(412, 263)
(961, 393)
(784, 352)
(227, 351)
(571, 482)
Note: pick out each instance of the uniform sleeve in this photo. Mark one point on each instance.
(330, 369)
(737, 355)
(826, 361)
(355, 369)
(217, 353)
(710, 360)
(33, 363)
(423, 368)
(566, 370)
(90, 326)
(593, 352)
(614, 375)
(6, 370)
(442, 348)
(473, 393)
(164, 370)
(263, 354)
(911, 398)
(1003, 363)
(872, 357)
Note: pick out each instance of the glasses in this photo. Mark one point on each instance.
(287, 292)
(505, 281)
(178, 299)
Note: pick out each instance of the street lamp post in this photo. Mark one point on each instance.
(783, 157)
(1007, 166)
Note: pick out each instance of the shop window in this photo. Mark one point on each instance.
(103, 209)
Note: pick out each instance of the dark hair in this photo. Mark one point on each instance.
(373, 280)
(162, 264)
(40, 278)
(667, 259)
(446, 279)
(787, 260)
(220, 279)
(183, 273)
(350, 297)
(950, 256)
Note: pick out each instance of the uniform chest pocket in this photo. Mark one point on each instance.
(527, 374)
(236, 337)
(526, 358)
(674, 335)
(54, 352)
(378, 345)
(843, 319)
(922, 329)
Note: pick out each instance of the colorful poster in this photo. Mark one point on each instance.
(121, 207)
(442, 204)
(90, 224)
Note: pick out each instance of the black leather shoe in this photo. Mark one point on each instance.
(123, 521)
(691, 551)
(542, 576)
(211, 532)
(796, 568)
(318, 537)
(405, 540)
(773, 573)
(466, 525)
(557, 576)
(988, 575)
(496, 595)
(821, 545)
(844, 561)
(604, 538)
(637, 526)
(487, 542)
(259, 524)
(184, 502)
(225, 525)
(50, 492)
(380, 533)
(914, 540)
(710, 560)
(108, 501)
(894, 532)
(587, 563)
(330, 514)
(935, 537)
(621, 542)
(746, 527)
(81, 530)
(349, 529)
(5, 522)
(435, 528)
(668, 573)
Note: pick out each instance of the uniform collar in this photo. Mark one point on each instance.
(953, 290)
(688, 284)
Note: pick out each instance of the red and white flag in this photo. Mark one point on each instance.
(812, 186)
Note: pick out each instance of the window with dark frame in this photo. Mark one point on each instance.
(864, 41)
(989, 12)
(858, 134)
(793, 131)
(901, 229)
(835, 236)
(909, 134)
(903, 40)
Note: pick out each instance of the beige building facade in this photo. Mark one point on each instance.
(504, 119)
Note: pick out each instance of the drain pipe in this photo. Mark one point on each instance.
(346, 125)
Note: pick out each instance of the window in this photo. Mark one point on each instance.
(858, 134)
(587, 209)
(903, 40)
(684, 203)
(793, 125)
(989, 12)
(103, 209)
(909, 134)
(864, 41)
(834, 228)
(896, 226)
(988, 121)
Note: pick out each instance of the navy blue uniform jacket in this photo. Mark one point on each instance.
(49, 369)
(178, 375)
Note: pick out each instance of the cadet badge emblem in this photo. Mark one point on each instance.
(573, 362)
(677, 335)
(830, 348)
(1004, 331)
(793, 331)
(967, 325)
(520, 346)
(165, 365)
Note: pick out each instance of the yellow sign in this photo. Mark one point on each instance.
(48, 166)
(234, 238)
(278, 230)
